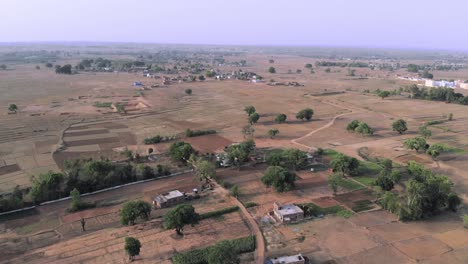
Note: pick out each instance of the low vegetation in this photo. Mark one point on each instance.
(359, 127)
(158, 139)
(219, 212)
(196, 133)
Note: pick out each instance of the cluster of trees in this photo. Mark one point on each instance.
(240, 153)
(437, 94)
(342, 166)
(359, 127)
(98, 63)
(355, 64)
(289, 158)
(133, 210)
(82, 175)
(388, 176)
(158, 139)
(420, 143)
(181, 151)
(65, 69)
(426, 194)
(196, 133)
(253, 116)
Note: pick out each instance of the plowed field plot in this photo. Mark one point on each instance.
(208, 143)
(86, 132)
(9, 169)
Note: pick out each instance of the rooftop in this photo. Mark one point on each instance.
(168, 196)
(288, 209)
(286, 259)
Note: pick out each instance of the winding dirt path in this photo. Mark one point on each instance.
(329, 124)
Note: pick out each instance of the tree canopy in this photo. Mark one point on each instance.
(180, 216)
(181, 151)
(253, 118)
(272, 70)
(132, 247)
(273, 132)
(279, 178)
(240, 152)
(400, 126)
(204, 169)
(250, 109)
(305, 113)
(281, 118)
(416, 143)
(133, 210)
(425, 132)
(345, 165)
(384, 94)
(223, 253)
(359, 127)
(13, 108)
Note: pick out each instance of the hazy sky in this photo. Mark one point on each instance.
(369, 23)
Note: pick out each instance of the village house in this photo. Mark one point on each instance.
(169, 199)
(295, 259)
(288, 213)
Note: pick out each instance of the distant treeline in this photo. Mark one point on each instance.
(355, 64)
(86, 175)
(158, 139)
(436, 94)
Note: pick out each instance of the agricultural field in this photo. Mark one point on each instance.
(105, 116)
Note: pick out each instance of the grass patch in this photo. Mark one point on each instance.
(331, 153)
(103, 104)
(369, 181)
(199, 256)
(349, 185)
(344, 214)
(362, 205)
(220, 212)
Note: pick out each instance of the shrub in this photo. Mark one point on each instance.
(219, 212)
(196, 133)
(465, 221)
(250, 204)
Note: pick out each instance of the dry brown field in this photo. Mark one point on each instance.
(57, 120)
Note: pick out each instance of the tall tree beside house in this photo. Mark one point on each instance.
(133, 210)
(181, 216)
(132, 247)
(400, 126)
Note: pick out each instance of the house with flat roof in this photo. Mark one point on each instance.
(288, 213)
(295, 259)
(169, 199)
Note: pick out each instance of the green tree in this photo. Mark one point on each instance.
(334, 181)
(384, 181)
(201, 77)
(250, 109)
(49, 65)
(253, 118)
(75, 200)
(275, 159)
(344, 164)
(327, 70)
(248, 130)
(281, 118)
(223, 253)
(384, 94)
(13, 108)
(353, 125)
(294, 158)
(188, 91)
(308, 66)
(240, 153)
(235, 191)
(425, 132)
(416, 143)
(450, 117)
(273, 132)
(453, 201)
(426, 74)
(364, 129)
(435, 150)
(204, 170)
(399, 126)
(271, 61)
(180, 216)
(46, 187)
(272, 70)
(133, 210)
(306, 113)
(279, 178)
(3, 67)
(181, 151)
(132, 247)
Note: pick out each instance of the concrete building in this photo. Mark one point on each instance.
(288, 213)
(295, 259)
(464, 85)
(442, 83)
(169, 199)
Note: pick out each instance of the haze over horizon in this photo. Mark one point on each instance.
(363, 23)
